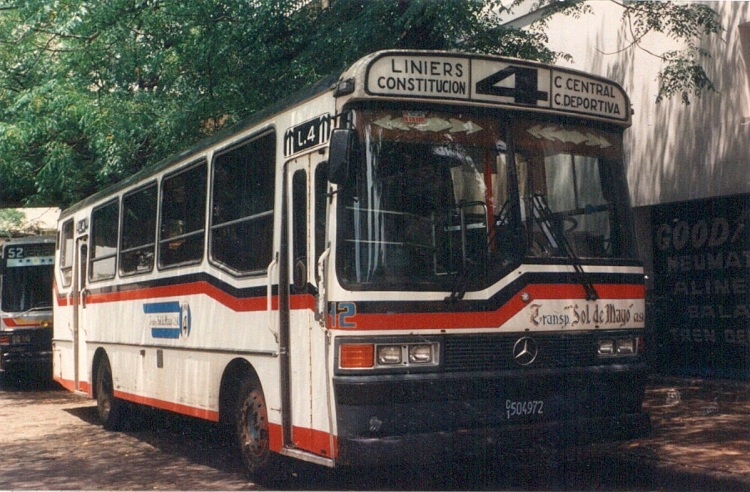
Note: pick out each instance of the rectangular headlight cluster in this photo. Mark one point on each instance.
(385, 355)
(614, 346)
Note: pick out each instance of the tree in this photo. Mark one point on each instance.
(92, 91)
(10, 220)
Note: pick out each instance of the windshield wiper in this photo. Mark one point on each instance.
(543, 216)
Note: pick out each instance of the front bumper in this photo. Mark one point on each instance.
(422, 418)
(434, 446)
(26, 348)
(18, 361)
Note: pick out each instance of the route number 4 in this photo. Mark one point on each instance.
(526, 90)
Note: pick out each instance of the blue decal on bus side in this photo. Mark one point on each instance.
(168, 319)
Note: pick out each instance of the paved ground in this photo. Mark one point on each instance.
(701, 431)
(51, 439)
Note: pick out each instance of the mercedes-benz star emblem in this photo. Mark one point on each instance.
(525, 351)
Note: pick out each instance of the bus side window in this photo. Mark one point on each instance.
(242, 208)
(183, 217)
(104, 225)
(66, 253)
(138, 231)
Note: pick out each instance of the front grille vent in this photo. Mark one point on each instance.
(495, 352)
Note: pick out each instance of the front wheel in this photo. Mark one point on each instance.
(110, 409)
(251, 421)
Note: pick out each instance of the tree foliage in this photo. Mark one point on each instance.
(10, 219)
(683, 72)
(92, 91)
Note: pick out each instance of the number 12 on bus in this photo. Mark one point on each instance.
(426, 254)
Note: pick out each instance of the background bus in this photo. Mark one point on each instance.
(26, 305)
(430, 253)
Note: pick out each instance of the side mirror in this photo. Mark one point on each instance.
(343, 143)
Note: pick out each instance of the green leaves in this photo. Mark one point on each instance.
(683, 72)
(92, 91)
(683, 75)
(10, 219)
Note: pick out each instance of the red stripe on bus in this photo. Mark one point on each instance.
(302, 301)
(193, 288)
(387, 321)
(314, 441)
(61, 301)
(478, 319)
(200, 413)
(70, 385)
(65, 383)
(275, 437)
(576, 291)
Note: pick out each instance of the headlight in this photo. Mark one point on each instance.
(619, 346)
(389, 354)
(421, 354)
(413, 353)
(606, 346)
(361, 355)
(625, 346)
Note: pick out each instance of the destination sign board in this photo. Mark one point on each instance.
(29, 255)
(495, 81)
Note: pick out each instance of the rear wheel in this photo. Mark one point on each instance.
(110, 409)
(251, 420)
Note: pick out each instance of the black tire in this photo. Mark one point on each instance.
(110, 409)
(252, 434)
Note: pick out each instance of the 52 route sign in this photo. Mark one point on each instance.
(495, 81)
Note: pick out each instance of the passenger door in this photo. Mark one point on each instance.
(80, 292)
(306, 423)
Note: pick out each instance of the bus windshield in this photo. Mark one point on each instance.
(26, 287)
(438, 198)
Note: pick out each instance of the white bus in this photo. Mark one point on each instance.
(428, 253)
(26, 266)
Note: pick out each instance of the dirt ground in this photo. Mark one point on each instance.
(51, 439)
